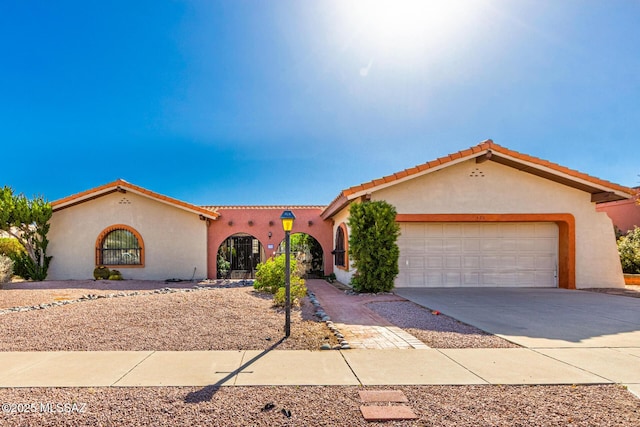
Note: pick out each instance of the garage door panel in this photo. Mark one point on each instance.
(489, 245)
(416, 230)
(545, 263)
(435, 245)
(471, 230)
(434, 279)
(546, 230)
(413, 246)
(471, 279)
(452, 278)
(453, 262)
(509, 244)
(435, 261)
(433, 230)
(526, 262)
(471, 262)
(471, 245)
(479, 254)
(452, 245)
(546, 277)
(452, 230)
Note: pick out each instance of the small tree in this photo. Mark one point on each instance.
(27, 220)
(372, 246)
(629, 250)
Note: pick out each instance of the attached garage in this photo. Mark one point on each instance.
(489, 216)
(446, 254)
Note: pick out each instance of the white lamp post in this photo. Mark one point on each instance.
(287, 219)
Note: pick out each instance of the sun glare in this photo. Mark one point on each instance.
(405, 24)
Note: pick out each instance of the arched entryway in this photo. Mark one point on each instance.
(238, 256)
(308, 253)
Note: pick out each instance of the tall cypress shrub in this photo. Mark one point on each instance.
(372, 246)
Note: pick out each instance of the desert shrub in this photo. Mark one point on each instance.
(298, 291)
(27, 220)
(270, 274)
(629, 250)
(13, 249)
(373, 247)
(224, 266)
(115, 275)
(10, 247)
(101, 272)
(270, 277)
(6, 269)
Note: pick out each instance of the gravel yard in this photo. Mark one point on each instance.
(213, 319)
(437, 331)
(609, 405)
(239, 318)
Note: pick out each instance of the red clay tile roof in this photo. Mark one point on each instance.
(122, 184)
(239, 207)
(348, 194)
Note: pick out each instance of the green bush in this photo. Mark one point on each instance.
(10, 247)
(270, 274)
(297, 291)
(373, 247)
(101, 272)
(270, 277)
(25, 267)
(6, 269)
(13, 249)
(629, 250)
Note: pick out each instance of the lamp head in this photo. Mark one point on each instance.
(287, 219)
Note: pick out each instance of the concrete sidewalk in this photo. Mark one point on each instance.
(350, 367)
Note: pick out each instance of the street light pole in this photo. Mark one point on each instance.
(287, 219)
(287, 285)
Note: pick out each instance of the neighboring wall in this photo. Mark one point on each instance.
(625, 214)
(175, 240)
(494, 188)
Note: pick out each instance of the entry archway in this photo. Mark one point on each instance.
(238, 256)
(308, 252)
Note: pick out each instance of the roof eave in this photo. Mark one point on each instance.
(123, 186)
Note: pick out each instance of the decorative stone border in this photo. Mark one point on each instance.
(322, 315)
(91, 297)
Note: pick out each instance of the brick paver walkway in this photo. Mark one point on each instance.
(379, 337)
(362, 327)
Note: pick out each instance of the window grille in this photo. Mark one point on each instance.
(339, 250)
(120, 247)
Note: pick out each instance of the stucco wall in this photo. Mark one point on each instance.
(175, 240)
(259, 222)
(343, 275)
(490, 187)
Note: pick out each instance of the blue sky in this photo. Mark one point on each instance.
(288, 102)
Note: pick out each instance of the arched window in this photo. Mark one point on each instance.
(120, 245)
(340, 252)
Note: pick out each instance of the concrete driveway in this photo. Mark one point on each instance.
(539, 318)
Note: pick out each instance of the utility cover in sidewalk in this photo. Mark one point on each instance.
(382, 396)
(387, 413)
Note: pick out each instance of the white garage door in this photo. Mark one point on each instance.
(478, 254)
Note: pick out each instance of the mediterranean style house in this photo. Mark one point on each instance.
(486, 216)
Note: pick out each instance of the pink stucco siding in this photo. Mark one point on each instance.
(259, 222)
